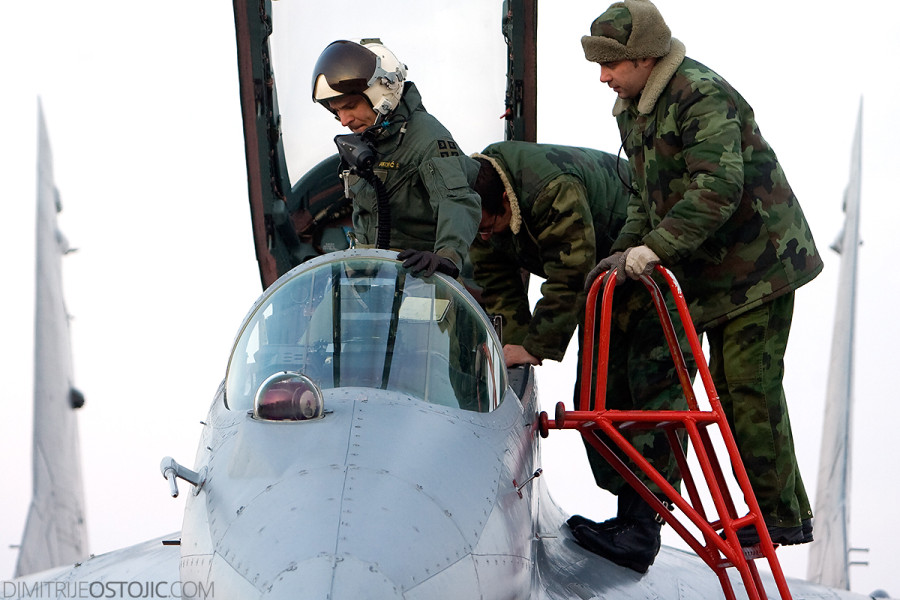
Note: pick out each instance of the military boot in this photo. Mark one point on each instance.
(577, 520)
(631, 540)
(785, 536)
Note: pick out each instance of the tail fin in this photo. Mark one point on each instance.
(55, 532)
(828, 556)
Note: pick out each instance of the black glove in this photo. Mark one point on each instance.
(616, 260)
(427, 263)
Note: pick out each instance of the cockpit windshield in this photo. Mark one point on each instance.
(359, 319)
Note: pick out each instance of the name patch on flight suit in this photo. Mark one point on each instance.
(389, 164)
(447, 148)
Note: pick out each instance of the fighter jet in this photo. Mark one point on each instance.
(366, 441)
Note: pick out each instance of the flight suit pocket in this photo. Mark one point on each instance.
(445, 177)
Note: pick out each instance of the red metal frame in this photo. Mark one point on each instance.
(717, 553)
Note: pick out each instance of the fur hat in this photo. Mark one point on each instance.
(627, 30)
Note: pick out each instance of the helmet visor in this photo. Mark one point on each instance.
(346, 66)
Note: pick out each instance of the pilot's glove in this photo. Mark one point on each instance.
(640, 261)
(616, 260)
(423, 263)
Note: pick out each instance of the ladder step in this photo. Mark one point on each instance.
(750, 553)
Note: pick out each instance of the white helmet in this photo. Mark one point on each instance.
(366, 68)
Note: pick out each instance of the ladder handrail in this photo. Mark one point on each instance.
(694, 421)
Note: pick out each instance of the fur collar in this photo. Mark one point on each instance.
(659, 78)
(515, 221)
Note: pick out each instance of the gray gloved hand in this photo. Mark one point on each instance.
(616, 260)
(423, 263)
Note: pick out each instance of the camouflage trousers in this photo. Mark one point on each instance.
(747, 366)
(641, 375)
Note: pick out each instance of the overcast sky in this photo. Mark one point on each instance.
(142, 107)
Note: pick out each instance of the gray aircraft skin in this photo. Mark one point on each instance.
(368, 443)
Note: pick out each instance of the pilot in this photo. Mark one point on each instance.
(553, 210)
(433, 209)
(712, 203)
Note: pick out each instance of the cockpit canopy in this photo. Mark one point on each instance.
(359, 319)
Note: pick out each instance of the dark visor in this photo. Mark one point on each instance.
(346, 66)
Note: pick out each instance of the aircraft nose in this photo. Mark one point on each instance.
(344, 533)
(355, 507)
(334, 578)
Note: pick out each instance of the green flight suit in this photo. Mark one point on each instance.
(428, 182)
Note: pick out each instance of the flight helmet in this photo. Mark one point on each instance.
(366, 68)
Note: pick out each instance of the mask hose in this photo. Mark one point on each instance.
(357, 153)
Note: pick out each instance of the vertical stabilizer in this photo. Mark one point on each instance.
(55, 532)
(828, 555)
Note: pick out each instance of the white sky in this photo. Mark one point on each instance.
(142, 107)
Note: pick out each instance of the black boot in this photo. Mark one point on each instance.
(577, 520)
(785, 536)
(631, 540)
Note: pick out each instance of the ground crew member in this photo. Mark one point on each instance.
(711, 202)
(552, 210)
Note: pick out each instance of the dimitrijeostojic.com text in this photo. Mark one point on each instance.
(79, 590)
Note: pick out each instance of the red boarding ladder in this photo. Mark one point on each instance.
(717, 553)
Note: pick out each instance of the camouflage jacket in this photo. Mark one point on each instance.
(712, 200)
(428, 182)
(568, 205)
